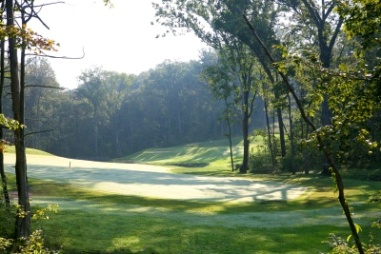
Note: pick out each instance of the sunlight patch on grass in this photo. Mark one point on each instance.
(205, 152)
(131, 242)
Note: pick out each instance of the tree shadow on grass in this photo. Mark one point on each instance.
(121, 251)
(166, 185)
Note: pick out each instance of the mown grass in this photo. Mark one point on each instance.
(94, 222)
(206, 158)
(194, 153)
(11, 149)
(139, 232)
(104, 223)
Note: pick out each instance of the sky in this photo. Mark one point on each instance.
(118, 38)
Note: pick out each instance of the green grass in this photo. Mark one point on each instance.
(187, 155)
(206, 158)
(112, 222)
(94, 222)
(11, 149)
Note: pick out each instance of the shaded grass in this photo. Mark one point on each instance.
(136, 231)
(173, 236)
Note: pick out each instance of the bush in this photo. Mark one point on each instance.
(341, 246)
(34, 244)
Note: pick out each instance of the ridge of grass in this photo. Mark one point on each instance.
(195, 153)
(32, 151)
(204, 158)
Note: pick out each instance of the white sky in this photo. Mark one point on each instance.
(119, 39)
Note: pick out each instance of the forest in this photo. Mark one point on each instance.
(304, 75)
(111, 115)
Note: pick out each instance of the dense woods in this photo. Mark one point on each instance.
(113, 114)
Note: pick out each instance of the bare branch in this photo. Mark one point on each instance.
(38, 132)
(43, 54)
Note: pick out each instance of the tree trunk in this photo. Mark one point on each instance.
(292, 158)
(23, 217)
(245, 133)
(281, 132)
(269, 136)
(2, 78)
(228, 122)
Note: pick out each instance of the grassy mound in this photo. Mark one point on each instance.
(210, 157)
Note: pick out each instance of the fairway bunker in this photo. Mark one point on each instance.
(152, 181)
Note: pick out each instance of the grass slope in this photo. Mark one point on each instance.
(11, 149)
(208, 158)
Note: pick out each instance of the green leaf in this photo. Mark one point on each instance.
(358, 228)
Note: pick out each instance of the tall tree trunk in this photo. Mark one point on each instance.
(23, 217)
(96, 132)
(228, 122)
(292, 158)
(281, 132)
(269, 136)
(2, 79)
(282, 138)
(245, 132)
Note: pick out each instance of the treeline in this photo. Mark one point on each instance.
(114, 114)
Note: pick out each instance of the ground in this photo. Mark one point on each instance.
(152, 181)
(158, 182)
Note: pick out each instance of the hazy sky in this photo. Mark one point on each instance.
(119, 39)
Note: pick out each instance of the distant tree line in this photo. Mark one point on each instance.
(114, 114)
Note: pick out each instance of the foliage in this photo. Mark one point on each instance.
(341, 246)
(261, 161)
(31, 39)
(4, 245)
(166, 106)
(10, 123)
(35, 243)
(361, 18)
(6, 218)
